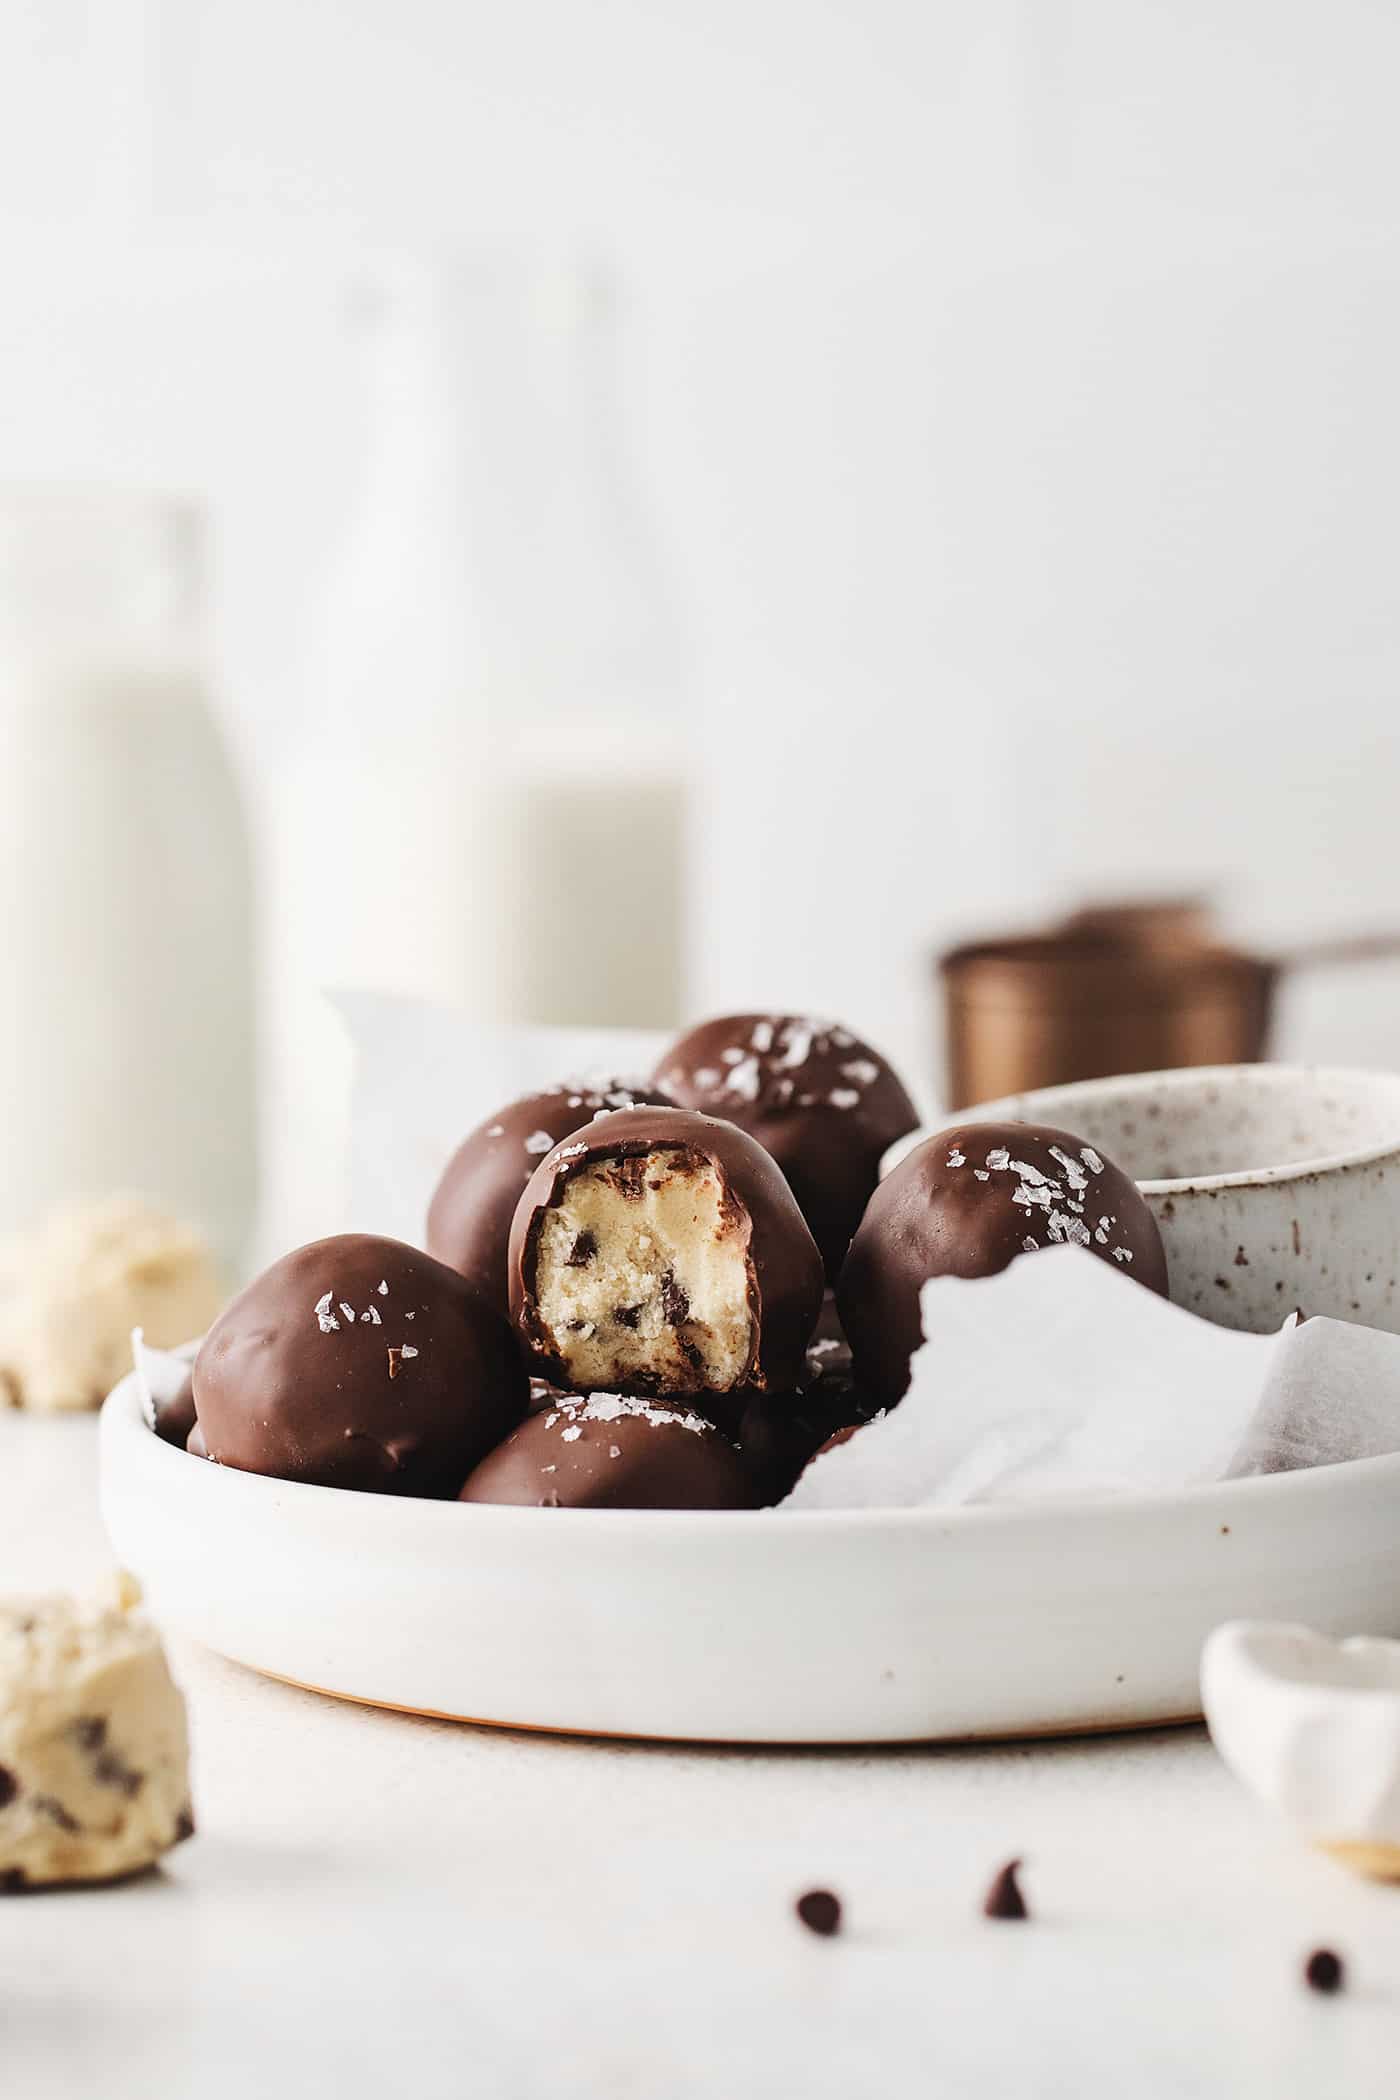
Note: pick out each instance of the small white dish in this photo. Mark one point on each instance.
(1275, 1187)
(1312, 1726)
(767, 1626)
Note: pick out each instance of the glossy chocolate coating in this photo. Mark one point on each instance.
(174, 1419)
(966, 1203)
(604, 1451)
(785, 1268)
(358, 1362)
(779, 1435)
(469, 1216)
(819, 1099)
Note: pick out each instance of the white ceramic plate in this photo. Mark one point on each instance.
(764, 1626)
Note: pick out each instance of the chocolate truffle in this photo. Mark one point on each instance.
(608, 1451)
(173, 1420)
(657, 1251)
(358, 1362)
(779, 1434)
(819, 1099)
(966, 1203)
(469, 1216)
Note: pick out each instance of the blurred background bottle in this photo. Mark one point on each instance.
(125, 915)
(481, 797)
(594, 819)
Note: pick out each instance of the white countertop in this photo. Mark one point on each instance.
(377, 1904)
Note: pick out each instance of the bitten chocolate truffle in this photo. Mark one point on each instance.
(469, 1216)
(609, 1451)
(966, 1203)
(819, 1099)
(657, 1251)
(358, 1362)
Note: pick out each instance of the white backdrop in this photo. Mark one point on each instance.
(1012, 385)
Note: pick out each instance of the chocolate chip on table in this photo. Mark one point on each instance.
(1004, 1899)
(583, 1250)
(820, 1912)
(1324, 1971)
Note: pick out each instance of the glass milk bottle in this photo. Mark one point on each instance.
(383, 871)
(594, 818)
(126, 1058)
(479, 796)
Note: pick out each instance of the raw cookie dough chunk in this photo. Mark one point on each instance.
(658, 1251)
(71, 1293)
(94, 1754)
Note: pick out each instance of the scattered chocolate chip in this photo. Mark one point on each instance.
(675, 1305)
(820, 1912)
(111, 1770)
(583, 1250)
(9, 1786)
(48, 1805)
(1324, 1971)
(184, 1825)
(1004, 1899)
(627, 1315)
(1241, 1258)
(89, 1731)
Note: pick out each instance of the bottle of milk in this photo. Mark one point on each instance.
(126, 1057)
(595, 831)
(480, 801)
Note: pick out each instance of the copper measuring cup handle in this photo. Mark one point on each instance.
(1353, 948)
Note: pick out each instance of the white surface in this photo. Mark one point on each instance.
(379, 1903)
(858, 1625)
(1312, 1725)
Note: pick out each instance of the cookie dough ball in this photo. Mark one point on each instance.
(358, 1362)
(778, 1434)
(824, 1103)
(656, 1251)
(608, 1451)
(474, 1202)
(967, 1203)
(71, 1293)
(94, 1755)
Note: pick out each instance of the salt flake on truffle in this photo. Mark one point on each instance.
(956, 1158)
(325, 1317)
(538, 1141)
(1091, 1159)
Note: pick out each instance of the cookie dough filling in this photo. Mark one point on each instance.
(642, 1276)
(94, 1773)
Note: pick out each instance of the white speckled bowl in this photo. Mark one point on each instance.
(1275, 1186)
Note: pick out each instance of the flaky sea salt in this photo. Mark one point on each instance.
(325, 1318)
(538, 1141)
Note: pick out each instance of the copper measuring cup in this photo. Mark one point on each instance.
(1113, 988)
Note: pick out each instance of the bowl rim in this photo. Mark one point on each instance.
(123, 1421)
(1178, 1079)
